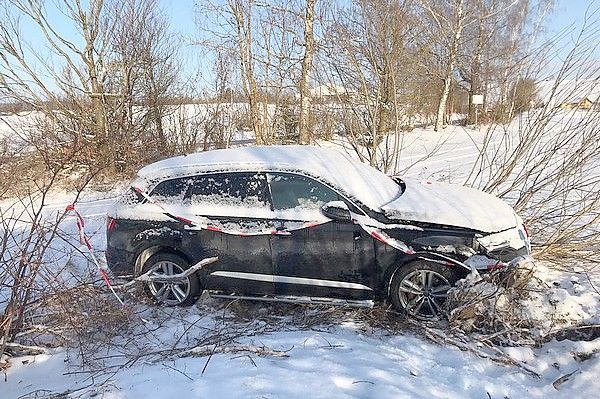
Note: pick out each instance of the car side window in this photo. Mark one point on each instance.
(241, 189)
(172, 190)
(290, 191)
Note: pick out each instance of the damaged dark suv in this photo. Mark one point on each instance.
(308, 225)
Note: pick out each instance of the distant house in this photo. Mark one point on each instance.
(578, 94)
(330, 93)
(582, 103)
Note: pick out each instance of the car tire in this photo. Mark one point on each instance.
(184, 294)
(418, 289)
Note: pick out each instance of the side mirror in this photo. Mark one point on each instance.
(336, 210)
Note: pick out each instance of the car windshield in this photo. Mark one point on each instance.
(370, 186)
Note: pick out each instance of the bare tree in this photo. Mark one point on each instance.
(448, 20)
(370, 62)
(144, 59)
(230, 27)
(75, 68)
(268, 40)
(242, 11)
(218, 126)
(110, 89)
(543, 162)
(309, 50)
(482, 46)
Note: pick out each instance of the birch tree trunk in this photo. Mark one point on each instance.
(243, 18)
(440, 120)
(475, 86)
(305, 96)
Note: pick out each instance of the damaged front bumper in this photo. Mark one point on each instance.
(518, 271)
(523, 261)
(485, 263)
(515, 273)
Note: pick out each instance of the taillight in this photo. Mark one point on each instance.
(111, 223)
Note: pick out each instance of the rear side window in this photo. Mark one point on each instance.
(173, 190)
(242, 189)
(291, 191)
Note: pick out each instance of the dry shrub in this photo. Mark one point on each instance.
(85, 315)
(494, 304)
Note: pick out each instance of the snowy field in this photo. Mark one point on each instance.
(216, 349)
(340, 362)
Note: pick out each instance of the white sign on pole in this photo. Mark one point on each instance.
(477, 99)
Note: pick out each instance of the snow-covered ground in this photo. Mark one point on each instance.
(271, 354)
(339, 362)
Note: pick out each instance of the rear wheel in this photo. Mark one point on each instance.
(420, 288)
(179, 293)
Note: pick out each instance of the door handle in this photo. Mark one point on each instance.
(281, 231)
(356, 235)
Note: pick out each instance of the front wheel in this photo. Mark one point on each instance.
(183, 293)
(420, 288)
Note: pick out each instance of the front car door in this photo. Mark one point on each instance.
(319, 257)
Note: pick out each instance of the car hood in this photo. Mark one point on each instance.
(451, 205)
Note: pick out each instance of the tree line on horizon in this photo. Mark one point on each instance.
(386, 65)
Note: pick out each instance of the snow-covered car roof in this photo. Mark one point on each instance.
(352, 177)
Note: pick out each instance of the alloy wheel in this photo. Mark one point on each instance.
(169, 293)
(423, 292)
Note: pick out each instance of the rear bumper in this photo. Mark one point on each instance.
(120, 261)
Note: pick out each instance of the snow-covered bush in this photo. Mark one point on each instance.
(517, 307)
(488, 304)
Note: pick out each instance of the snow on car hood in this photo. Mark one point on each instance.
(452, 205)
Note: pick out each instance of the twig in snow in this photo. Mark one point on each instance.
(365, 381)
(587, 275)
(559, 381)
(249, 357)
(263, 351)
(499, 356)
(179, 371)
(23, 350)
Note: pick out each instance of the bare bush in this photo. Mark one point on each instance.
(495, 305)
(545, 162)
(112, 90)
(27, 230)
(25, 239)
(83, 316)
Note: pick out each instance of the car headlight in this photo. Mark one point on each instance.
(515, 238)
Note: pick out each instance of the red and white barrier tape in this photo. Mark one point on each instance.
(374, 232)
(383, 237)
(209, 227)
(83, 239)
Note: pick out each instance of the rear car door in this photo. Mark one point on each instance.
(328, 259)
(236, 206)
